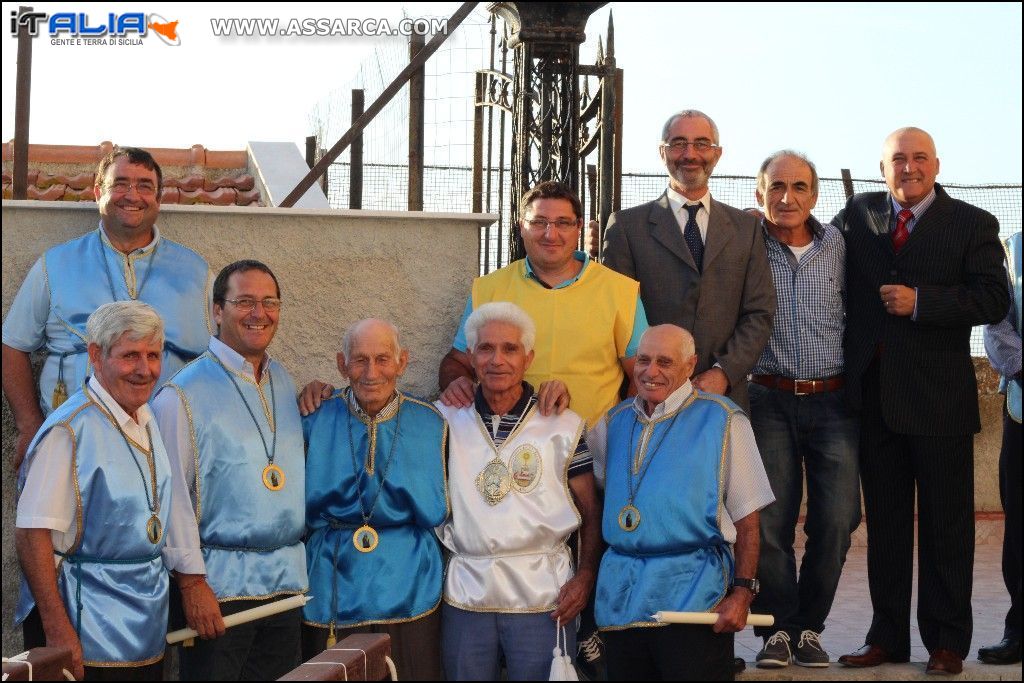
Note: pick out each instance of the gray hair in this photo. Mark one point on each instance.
(110, 321)
(689, 114)
(355, 328)
(501, 312)
(782, 153)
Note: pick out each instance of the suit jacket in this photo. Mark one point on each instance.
(955, 260)
(728, 308)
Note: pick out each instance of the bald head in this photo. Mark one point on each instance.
(909, 165)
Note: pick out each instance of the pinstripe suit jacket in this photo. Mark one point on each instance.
(954, 259)
(728, 307)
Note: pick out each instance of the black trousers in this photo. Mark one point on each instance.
(1010, 495)
(941, 472)
(262, 650)
(32, 630)
(677, 652)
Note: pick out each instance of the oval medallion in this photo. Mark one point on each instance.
(493, 482)
(524, 468)
(629, 518)
(273, 477)
(154, 529)
(365, 539)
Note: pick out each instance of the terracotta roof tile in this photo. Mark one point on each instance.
(233, 186)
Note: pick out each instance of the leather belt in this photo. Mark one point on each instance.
(799, 387)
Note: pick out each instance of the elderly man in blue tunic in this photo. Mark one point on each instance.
(125, 259)
(96, 515)
(684, 486)
(375, 490)
(520, 483)
(230, 421)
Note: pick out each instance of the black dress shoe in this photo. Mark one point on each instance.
(739, 665)
(1006, 651)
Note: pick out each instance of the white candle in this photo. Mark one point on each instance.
(708, 618)
(245, 616)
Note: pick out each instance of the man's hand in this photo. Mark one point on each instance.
(898, 300)
(459, 393)
(593, 238)
(62, 634)
(552, 397)
(733, 611)
(202, 611)
(313, 394)
(573, 597)
(713, 381)
(25, 436)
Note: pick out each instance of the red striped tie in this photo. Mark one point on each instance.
(901, 234)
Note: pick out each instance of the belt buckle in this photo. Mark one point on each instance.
(796, 385)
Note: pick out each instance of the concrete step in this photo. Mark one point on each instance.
(914, 671)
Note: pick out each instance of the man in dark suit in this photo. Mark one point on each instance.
(921, 270)
(701, 264)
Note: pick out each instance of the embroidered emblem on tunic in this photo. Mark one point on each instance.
(524, 465)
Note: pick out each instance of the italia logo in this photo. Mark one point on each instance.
(126, 27)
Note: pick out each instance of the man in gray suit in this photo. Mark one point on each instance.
(701, 264)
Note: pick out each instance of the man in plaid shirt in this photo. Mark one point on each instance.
(799, 418)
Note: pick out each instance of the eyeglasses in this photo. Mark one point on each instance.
(681, 145)
(143, 187)
(246, 304)
(541, 224)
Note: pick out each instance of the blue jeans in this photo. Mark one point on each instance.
(816, 433)
(472, 644)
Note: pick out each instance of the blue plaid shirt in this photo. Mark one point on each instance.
(807, 335)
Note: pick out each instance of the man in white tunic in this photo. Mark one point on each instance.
(520, 483)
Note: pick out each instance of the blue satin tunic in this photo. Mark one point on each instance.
(112, 581)
(400, 580)
(677, 558)
(1012, 387)
(251, 537)
(173, 280)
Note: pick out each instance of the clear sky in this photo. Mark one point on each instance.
(829, 80)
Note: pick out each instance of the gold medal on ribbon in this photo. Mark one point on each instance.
(154, 529)
(629, 518)
(365, 539)
(494, 482)
(273, 477)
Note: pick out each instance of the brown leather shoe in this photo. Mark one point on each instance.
(869, 655)
(944, 663)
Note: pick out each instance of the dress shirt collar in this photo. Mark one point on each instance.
(484, 408)
(580, 256)
(234, 361)
(135, 430)
(386, 413)
(676, 201)
(141, 250)
(917, 209)
(671, 404)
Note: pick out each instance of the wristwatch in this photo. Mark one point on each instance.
(753, 585)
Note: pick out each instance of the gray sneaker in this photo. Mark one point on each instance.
(809, 651)
(775, 653)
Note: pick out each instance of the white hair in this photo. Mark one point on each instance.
(501, 312)
(355, 328)
(110, 321)
(687, 346)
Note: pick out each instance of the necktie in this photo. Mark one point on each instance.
(691, 233)
(901, 234)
